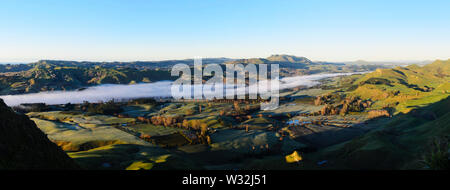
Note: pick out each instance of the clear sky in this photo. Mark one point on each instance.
(127, 30)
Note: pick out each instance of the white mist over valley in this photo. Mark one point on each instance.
(119, 92)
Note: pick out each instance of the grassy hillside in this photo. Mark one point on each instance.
(404, 88)
(24, 146)
(417, 136)
(131, 157)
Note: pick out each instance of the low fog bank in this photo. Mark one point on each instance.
(93, 94)
(120, 92)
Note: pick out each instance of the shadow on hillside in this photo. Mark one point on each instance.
(326, 138)
(400, 142)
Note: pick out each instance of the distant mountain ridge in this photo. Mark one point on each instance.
(282, 60)
(163, 64)
(289, 58)
(52, 75)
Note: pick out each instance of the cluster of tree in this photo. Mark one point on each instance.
(166, 121)
(327, 99)
(38, 107)
(108, 108)
(377, 81)
(239, 110)
(138, 101)
(351, 104)
(198, 131)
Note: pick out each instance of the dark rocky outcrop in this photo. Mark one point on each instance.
(24, 146)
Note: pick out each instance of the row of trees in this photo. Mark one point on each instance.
(104, 108)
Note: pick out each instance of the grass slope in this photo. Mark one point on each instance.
(405, 88)
(24, 146)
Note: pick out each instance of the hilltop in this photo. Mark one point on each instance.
(289, 58)
(282, 60)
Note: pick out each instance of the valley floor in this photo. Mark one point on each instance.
(237, 140)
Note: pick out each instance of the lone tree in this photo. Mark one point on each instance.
(440, 73)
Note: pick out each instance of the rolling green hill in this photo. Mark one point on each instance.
(417, 136)
(404, 88)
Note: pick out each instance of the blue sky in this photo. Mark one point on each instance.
(326, 30)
